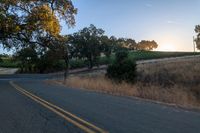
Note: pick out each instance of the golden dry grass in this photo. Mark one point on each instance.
(176, 82)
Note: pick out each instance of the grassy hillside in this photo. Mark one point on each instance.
(162, 81)
(137, 55)
(144, 55)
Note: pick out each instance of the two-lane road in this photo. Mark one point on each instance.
(21, 114)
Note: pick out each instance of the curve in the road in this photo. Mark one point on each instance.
(80, 123)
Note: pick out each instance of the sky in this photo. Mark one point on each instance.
(169, 22)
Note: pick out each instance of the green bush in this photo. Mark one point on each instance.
(59, 65)
(121, 55)
(74, 64)
(122, 69)
(9, 63)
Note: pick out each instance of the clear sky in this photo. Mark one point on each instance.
(169, 22)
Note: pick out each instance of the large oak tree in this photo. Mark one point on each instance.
(87, 44)
(28, 23)
(147, 45)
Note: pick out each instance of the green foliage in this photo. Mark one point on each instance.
(197, 43)
(122, 69)
(43, 61)
(121, 56)
(26, 58)
(147, 45)
(107, 45)
(36, 24)
(87, 44)
(74, 64)
(9, 63)
(51, 61)
(33, 22)
(126, 43)
(197, 40)
(146, 55)
(45, 65)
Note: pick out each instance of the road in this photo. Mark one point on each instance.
(28, 104)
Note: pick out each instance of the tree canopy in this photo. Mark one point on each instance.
(147, 45)
(33, 22)
(87, 43)
(197, 40)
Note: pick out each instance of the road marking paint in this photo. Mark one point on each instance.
(80, 123)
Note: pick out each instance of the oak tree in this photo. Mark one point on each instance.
(197, 40)
(25, 23)
(88, 43)
(147, 45)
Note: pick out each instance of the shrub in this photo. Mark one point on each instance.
(74, 64)
(121, 55)
(59, 65)
(122, 69)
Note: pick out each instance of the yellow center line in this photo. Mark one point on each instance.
(61, 112)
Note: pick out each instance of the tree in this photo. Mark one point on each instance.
(27, 59)
(125, 43)
(131, 44)
(50, 61)
(88, 43)
(197, 40)
(107, 45)
(147, 45)
(25, 23)
(1, 60)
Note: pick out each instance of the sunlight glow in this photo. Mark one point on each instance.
(166, 47)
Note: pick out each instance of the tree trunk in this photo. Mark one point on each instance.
(90, 59)
(66, 73)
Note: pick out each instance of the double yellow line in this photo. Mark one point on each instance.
(75, 120)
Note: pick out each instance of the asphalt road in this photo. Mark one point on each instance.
(21, 114)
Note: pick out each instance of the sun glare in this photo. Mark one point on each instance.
(166, 47)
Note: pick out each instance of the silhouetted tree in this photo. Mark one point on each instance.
(197, 40)
(24, 23)
(27, 58)
(88, 43)
(147, 45)
(28, 22)
(126, 43)
(107, 45)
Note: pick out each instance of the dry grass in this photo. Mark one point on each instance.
(175, 82)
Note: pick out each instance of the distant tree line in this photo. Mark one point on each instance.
(91, 42)
(88, 44)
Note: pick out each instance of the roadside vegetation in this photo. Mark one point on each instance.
(175, 82)
(13, 62)
(8, 62)
(122, 69)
